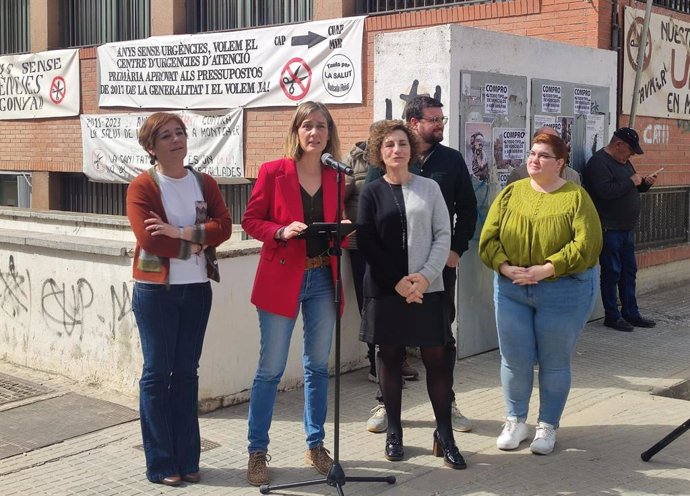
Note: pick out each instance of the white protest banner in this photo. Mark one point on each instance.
(112, 153)
(38, 85)
(551, 98)
(265, 67)
(664, 87)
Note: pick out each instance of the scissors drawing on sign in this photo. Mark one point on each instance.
(290, 82)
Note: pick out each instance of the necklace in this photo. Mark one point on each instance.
(403, 219)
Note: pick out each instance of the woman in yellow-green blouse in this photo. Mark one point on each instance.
(542, 236)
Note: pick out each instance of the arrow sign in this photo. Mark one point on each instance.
(311, 39)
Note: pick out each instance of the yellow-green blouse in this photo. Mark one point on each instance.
(525, 227)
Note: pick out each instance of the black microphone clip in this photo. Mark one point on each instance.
(328, 160)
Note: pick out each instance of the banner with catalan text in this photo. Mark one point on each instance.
(39, 85)
(112, 153)
(264, 67)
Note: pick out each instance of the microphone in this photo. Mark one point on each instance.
(328, 160)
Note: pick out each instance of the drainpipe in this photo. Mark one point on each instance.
(640, 60)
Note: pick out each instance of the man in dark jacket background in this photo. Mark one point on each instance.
(615, 187)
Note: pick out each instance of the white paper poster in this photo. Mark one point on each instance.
(263, 67)
(544, 121)
(551, 98)
(477, 136)
(582, 101)
(39, 85)
(509, 151)
(594, 134)
(496, 99)
(112, 153)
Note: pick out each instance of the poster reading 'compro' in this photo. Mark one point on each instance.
(268, 67)
(39, 85)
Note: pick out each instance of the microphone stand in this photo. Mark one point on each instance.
(336, 475)
(675, 434)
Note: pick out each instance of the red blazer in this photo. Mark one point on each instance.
(276, 202)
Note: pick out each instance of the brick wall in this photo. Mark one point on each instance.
(55, 144)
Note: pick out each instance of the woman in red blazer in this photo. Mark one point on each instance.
(289, 194)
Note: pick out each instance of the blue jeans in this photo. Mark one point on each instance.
(540, 324)
(172, 323)
(618, 274)
(318, 313)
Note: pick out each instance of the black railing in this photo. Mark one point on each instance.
(677, 5)
(375, 6)
(14, 26)
(217, 15)
(78, 194)
(664, 219)
(86, 22)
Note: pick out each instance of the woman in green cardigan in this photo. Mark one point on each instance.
(542, 237)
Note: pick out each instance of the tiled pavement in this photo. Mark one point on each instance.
(611, 417)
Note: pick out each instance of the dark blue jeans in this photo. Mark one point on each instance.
(172, 323)
(618, 274)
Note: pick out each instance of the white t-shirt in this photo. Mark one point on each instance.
(179, 200)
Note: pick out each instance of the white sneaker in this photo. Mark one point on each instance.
(460, 422)
(544, 439)
(378, 422)
(514, 432)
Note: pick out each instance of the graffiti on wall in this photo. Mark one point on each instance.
(15, 291)
(67, 308)
(655, 134)
(409, 96)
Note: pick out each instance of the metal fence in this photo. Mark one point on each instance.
(216, 15)
(375, 6)
(89, 22)
(677, 5)
(78, 194)
(14, 26)
(664, 219)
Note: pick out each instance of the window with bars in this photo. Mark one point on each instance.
(93, 22)
(217, 15)
(374, 6)
(14, 26)
(677, 5)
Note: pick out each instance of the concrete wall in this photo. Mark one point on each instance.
(65, 307)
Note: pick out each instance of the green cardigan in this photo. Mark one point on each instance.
(525, 227)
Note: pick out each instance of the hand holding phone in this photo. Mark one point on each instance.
(656, 172)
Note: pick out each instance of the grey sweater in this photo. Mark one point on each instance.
(422, 217)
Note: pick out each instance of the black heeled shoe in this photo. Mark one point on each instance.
(394, 450)
(450, 453)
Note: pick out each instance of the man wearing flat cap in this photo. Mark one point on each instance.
(615, 187)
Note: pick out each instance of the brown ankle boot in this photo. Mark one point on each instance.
(257, 471)
(319, 458)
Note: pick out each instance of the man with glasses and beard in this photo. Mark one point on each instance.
(446, 166)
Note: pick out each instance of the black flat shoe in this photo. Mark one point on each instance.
(619, 325)
(641, 322)
(394, 450)
(450, 453)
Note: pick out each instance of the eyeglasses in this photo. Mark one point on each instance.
(435, 120)
(539, 156)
